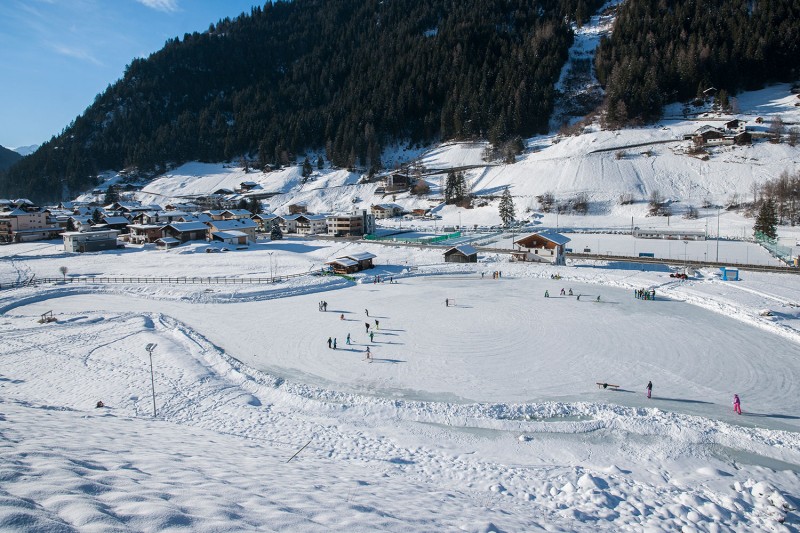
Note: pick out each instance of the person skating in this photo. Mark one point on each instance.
(570, 292)
(330, 342)
(649, 388)
(348, 339)
(334, 344)
(579, 297)
(377, 324)
(371, 336)
(563, 292)
(366, 326)
(546, 294)
(366, 311)
(598, 298)
(447, 302)
(341, 317)
(369, 355)
(737, 404)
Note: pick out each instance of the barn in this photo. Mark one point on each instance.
(463, 253)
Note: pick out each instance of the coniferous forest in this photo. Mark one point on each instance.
(344, 75)
(662, 51)
(351, 76)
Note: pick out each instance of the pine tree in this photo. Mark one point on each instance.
(97, 216)
(112, 195)
(320, 163)
(254, 206)
(767, 220)
(507, 213)
(307, 168)
(276, 234)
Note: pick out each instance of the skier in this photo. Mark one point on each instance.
(330, 342)
(371, 335)
(366, 311)
(546, 294)
(369, 355)
(348, 339)
(334, 344)
(737, 405)
(649, 388)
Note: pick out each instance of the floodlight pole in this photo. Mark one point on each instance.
(718, 235)
(150, 347)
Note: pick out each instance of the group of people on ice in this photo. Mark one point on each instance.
(644, 294)
(332, 342)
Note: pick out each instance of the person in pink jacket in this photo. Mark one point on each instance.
(737, 405)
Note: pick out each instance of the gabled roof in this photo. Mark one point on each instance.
(294, 216)
(168, 240)
(225, 225)
(312, 217)
(232, 234)
(361, 256)
(187, 226)
(265, 216)
(344, 261)
(215, 212)
(115, 220)
(239, 212)
(548, 235)
(465, 249)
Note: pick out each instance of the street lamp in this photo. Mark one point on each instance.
(150, 347)
(271, 275)
(685, 255)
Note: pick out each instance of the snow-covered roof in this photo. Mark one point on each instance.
(465, 249)
(188, 226)
(168, 240)
(361, 256)
(116, 220)
(225, 225)
(344, 261)
(239, 212)
(232, 234)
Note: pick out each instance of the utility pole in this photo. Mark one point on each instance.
(718, 235)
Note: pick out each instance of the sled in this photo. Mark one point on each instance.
(607, 386)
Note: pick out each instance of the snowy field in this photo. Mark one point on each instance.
(483, 415)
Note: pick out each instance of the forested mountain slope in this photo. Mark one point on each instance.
(347, 75)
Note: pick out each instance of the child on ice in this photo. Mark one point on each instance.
(737, 404)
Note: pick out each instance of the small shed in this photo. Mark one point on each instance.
(343, 265)
(165, 243)
(461, 254)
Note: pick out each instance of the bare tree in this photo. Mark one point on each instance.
(63, 271)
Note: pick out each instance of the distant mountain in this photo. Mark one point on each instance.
(26, 150)
(8, 158)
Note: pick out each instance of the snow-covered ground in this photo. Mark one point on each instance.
(479, 416)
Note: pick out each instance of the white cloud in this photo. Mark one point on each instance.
(77, 53)
(168, 6)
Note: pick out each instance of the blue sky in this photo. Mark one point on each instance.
(57, 55)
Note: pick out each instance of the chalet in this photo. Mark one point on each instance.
(544, 247)
(237, 239)
(735, 125)
(296, 209)
(215, 214)
(352, 263)
(246, 226)
(743, 138)
(398, 181)
(223, 191)
(236, 214)
(311, 224)
(288, 223)
(246, 186)
(195, 217)
(144, 233)
(264, 221)
(186, 231)
(381, 211)
(90, 241)
(463, 253)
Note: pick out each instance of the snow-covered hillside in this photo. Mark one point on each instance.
(604, 165)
